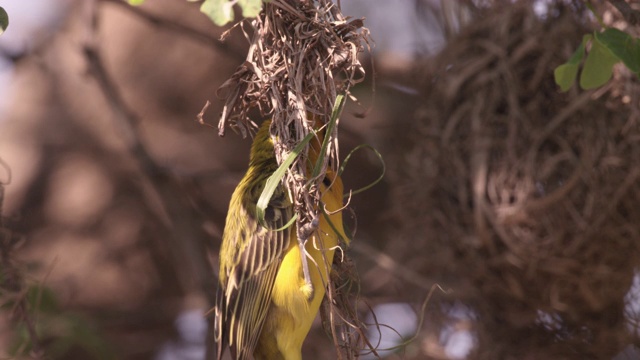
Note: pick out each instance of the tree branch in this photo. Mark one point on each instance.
(188, 239)
(630, 15)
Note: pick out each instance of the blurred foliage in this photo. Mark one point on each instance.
(60, 333)
(221, 11)
(4, 20)
(608, 47)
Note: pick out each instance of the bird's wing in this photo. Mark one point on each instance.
(243, 302)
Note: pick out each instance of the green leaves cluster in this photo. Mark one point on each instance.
(4, 20)
(608, 48)
(59, 333)
(221, 11)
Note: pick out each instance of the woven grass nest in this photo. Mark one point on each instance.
(524, 200)
(302, 55)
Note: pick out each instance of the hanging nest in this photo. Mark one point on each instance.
(302, 55)
(523, 199)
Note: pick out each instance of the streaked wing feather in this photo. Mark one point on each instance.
(244, 302)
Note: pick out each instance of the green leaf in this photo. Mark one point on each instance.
(622, 45)
(250, 8)
(565, 74)
(598, 67)
(135, 2)
(274, 180)
(219, 11)
(4, 20)
(577, 56)
(335, 114)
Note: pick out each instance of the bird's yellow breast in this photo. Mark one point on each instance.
(294, 304)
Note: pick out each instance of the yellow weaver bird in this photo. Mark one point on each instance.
(264, 306)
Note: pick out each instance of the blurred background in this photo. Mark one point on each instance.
(517, 200)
